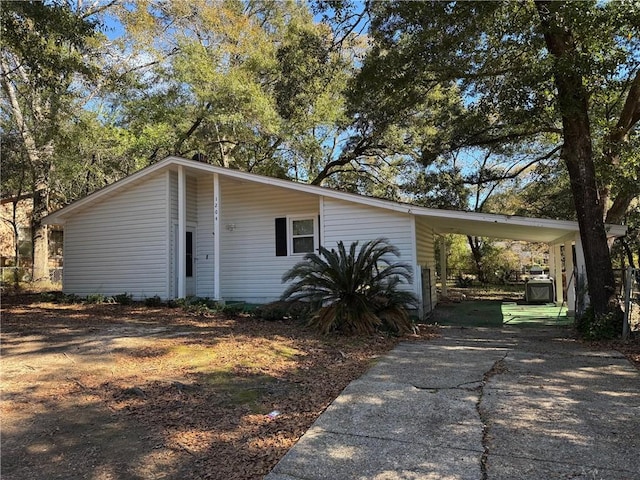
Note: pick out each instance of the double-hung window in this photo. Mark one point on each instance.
(303, 235)
(297, 235)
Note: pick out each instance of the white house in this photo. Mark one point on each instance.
(182, 227)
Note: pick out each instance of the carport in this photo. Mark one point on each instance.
(561, 236)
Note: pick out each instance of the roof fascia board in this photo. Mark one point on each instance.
(615, 230)
(59, 216)
(386, 204)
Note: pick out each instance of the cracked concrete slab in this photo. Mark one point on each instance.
(556, 413)
(479, 404)
(323, 455)
(445, 418)
(409, 364)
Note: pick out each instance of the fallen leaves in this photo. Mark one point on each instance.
(203, 388)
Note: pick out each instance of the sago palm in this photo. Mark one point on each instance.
(353, 292)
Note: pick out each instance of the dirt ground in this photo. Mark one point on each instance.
(107, 392)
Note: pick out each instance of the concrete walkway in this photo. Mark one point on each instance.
(480, 404)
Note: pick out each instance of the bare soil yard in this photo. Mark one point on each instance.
(130, 392)
(106, 392)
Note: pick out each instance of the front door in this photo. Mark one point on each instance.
(190, 280)
(190, 261)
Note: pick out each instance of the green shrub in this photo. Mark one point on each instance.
(353, 292)
(96, 298)
(52, 297)
(280, 310)
(198, 305)
(232, 309)
(463, 282)
(59, 297)
(600, 327)
(154, 301)
(123, 299)
(14, 276)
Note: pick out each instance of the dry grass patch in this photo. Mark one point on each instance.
(111, 391)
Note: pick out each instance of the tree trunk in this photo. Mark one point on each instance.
(40, 237)
(578, 155)
(39, 160)
(476, 253)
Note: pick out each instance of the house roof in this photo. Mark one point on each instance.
(442, 221)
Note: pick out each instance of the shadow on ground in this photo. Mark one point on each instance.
(496, 313)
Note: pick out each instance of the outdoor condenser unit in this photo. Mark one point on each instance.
(539, 289)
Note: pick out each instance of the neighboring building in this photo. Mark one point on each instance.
(182, 227)
(23, 208)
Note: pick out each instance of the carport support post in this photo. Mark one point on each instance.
(556, 255)
(571, 279)
(443, 266)
(182, 228)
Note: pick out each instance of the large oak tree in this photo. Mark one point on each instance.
(535, 77)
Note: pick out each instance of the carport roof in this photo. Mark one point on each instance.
(442, 221)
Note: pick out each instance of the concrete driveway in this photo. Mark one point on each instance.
(480, 404)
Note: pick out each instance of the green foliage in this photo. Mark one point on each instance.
(497, 263)
(232, 309)
(282, 310)
(154, 301)
(203, 306)
(97, 298)
(14, 276)
(198, 305)
(539, 82)
(458, 254)
(354, 291)
(49, 37)
(256, 87)
(593, 326)
(59, 297)
(464, 281)
(123, 298)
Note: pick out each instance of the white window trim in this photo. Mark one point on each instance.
(316, 241)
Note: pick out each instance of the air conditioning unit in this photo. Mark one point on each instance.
(540, 289)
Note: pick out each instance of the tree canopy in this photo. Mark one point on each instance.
(519, 107)
(545, 80)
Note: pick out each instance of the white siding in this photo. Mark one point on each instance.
(173, 220)
(249, 268)
(204, 237)
(119, 245)
(349, 222)
(193, 212)
(425, 249)
(192, 200)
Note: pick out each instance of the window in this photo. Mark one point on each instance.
(296, 235)
(189, 254)
(302, 235)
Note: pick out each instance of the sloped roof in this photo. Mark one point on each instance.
(442, 221)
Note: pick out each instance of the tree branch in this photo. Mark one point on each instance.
(519, 171)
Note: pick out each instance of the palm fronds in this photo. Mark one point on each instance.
(355, 291)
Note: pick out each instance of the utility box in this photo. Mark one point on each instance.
(540, 289)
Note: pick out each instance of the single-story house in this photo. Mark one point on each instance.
(182, 227)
